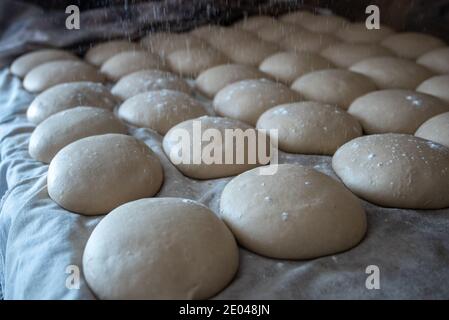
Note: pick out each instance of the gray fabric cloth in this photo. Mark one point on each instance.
(38, 239)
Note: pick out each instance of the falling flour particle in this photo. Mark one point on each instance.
(284, 216)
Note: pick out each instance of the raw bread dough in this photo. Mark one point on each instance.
(310, 127)
(246, 100)
(202, 169)
(164, 43)
(67, 126)
(224, 38)
(127, 62)
(395, 110)
(206, 32)
(436, 86)
(25, 63)
(436, 60)
(392, 73)
(298, 17)
(99, 53)
(435, 129)
(94, 175)
(249, 52)
(345, 55)
(254, 23)
(308, 41)
(49, 74)
(288, 66)
(162, 248)
(191, 62)
(333, 86)
(411, 45)
(69, 95)
(358, 33)
(395, 170)
(212, 80)
(276, 31)
(148, 80)
(160, 110)
(296, 213)
(325, 23)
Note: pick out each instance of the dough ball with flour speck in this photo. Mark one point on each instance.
(310, 127)
(212, 80)
(251, 52)
(162, 248)
(223, 39)
(160, 110)
(308, 41)
(436, 60)
(392, 73)
(395, 170)
(276, 31)
(435, 129)
(164, 43)
(25, 63)
(358, 33)
(345, 55)
(246, 100)
(395, 111)
(412, 45)
(298, 17)
(69, 95)
(436, 86)
(148, 80)
(288, 66)
(295, 213)
(254, 23)
(94, 175)
(325, 23)
(333, 86)
(206, 32)
(49, 74)
(99, 53)
(67, 126)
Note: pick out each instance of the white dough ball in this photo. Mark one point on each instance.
(412, 45)
(436, 129)
(99, 53)
(436, 86)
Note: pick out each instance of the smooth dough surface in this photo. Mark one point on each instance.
(296, 213)
(274, 32)
(358, 33)
(288, 66)
(148, 80)
(298, 17)
(308, 41)
(333, 86)
(251, 53)
(94, 175)
(310, 127)
(436, 60)
(162, 248)
(411, 45)
(160, 110)
(324, 23)
(69, 95)
(254, 23)
(395, 110)
(392, 73)
(49, 74)
(436, 86)
(246, 100)
(395, 170)
(164, 43)
(219, 147)
(67, 126)
(127, 62)
(436, 129)
(99, 53)
(224, 39)
(212, 80)
(345, 55)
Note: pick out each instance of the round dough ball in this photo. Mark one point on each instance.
(395, 110)
(288, 66)
(358, 33)
(436, 61)
(49, 74)
(25, 63)
(325, 23)
(212, 80)
(275, 31)
(436, 86)
(435, 129)
(99, 53)
(148, 80)
(162, 248)
(395, 170)
(411, 45)
(310, 127)
(224, 38)
(296, 213)
(308, 41)
(164, 43)
(191, 62)
(67, 126)
(345, 55)
(251, 53)
(69, 95)
(246, 100)
(298, 17)
(254, 23)
(203, 168)
(128, 62)
(333, 86)
(160, 110)
(94, 175)
(206, 32)
(392, 73)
